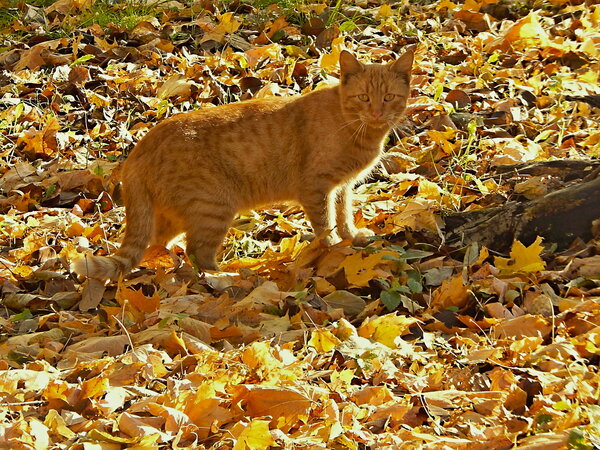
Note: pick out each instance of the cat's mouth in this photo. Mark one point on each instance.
(377, 123)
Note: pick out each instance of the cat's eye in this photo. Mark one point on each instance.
(363, 97)
(389, 97)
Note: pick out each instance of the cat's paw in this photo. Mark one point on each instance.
(328, 239)
(360, 238)
(331, 239)
(308, 236)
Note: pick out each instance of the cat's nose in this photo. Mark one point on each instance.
(377, 114)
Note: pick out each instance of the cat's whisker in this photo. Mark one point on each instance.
(356, 132)
(364, 133)
(359, 132)
(349, 123)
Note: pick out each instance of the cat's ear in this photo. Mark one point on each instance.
(405, 62)
(349, 64)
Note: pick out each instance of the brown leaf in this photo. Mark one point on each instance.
(473, 20)
(458, 98)
(286, 405)
(372, 395)
(452, 292)
(41, 142)
(523, 326)
(91, 294)
(351, 304)
(99, 345)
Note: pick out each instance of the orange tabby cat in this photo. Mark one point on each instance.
(193, 172)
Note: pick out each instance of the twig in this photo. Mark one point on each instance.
(33, 402)
(125, 331)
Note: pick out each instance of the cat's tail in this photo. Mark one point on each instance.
(138, 231)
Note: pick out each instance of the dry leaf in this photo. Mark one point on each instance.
(323, 340)
(285, 405)
(175, 86)
(386, 329)
(522, 327)
(522, 259)
(452, 293)
(255, 436)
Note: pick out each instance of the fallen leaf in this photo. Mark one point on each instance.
(323, 340)
(286, 405)
(386, 329)
(522, 327)
(522, 259)
(91, 294)
(255, 436)
(175, 86)
(452, 293)
(350, 303)
(360, 270)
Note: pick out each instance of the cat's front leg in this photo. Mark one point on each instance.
(345, 219)
(319, 206)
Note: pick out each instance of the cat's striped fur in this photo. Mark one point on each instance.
(193, 172)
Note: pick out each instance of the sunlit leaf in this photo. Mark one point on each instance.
(323, 340)
(522, 259)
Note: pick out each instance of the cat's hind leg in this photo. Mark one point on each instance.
(205, 229)
(165, 229)
(138, 231)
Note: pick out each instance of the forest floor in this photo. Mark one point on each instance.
(410, 342)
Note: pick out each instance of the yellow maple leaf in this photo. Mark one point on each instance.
(323, 341)
(359, 271)
(442, 139)
(476, 5)
(256, 55)
(340, 380)
(589, 46)
(526, 33)
(57, 424)
(203, 409)
(445, 4)
(329, 61)
(418, 213)
(138, 300)
(285, 405)
(94, 387)
(522, 259)
(373, 395)
(430, 190)
(41, 141)
(260, 358)
(386, 329)
(385, 11)
(256, 436)
(227, 24)
(471, 5)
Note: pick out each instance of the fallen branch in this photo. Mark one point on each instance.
(559, 217)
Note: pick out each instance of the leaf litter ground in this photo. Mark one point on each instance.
(407, 343)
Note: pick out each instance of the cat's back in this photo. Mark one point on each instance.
(223, 117)
(239, 139)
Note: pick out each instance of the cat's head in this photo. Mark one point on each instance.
(375, 94)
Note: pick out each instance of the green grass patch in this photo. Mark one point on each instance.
(124, 14)
(7, 16)
(11, 10)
